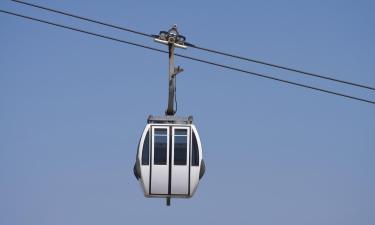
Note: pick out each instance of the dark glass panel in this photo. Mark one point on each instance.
(194, 152)
(160, 150)
(180, 150)
(180, 132)
(160, 131)
(146, 151)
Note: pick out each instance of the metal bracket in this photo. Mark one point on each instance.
(168, 201)
(171, 37)
(177, 70)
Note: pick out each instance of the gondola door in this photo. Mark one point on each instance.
(159, 184)
(180, 161)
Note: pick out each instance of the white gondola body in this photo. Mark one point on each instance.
(169, 160)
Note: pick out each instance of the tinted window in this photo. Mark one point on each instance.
(146, 151)
(160, 147)
(180, 132)
(161, 131)
(194, 152)
(180, 147)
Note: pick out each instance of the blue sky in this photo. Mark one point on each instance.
(72, 108)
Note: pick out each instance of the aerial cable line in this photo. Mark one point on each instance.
(83, 31)
(190, 58)
(201, 48)
(84, 18)
(281, 67)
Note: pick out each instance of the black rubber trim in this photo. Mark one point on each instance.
(202, 170)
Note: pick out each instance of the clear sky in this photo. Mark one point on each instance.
(72, 109)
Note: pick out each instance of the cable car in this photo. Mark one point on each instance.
(169, 162)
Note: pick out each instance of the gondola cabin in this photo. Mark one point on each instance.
(169, 162)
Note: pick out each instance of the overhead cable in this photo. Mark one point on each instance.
(84, 18)
(189, 57)
(282, 67)
(202, 48)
